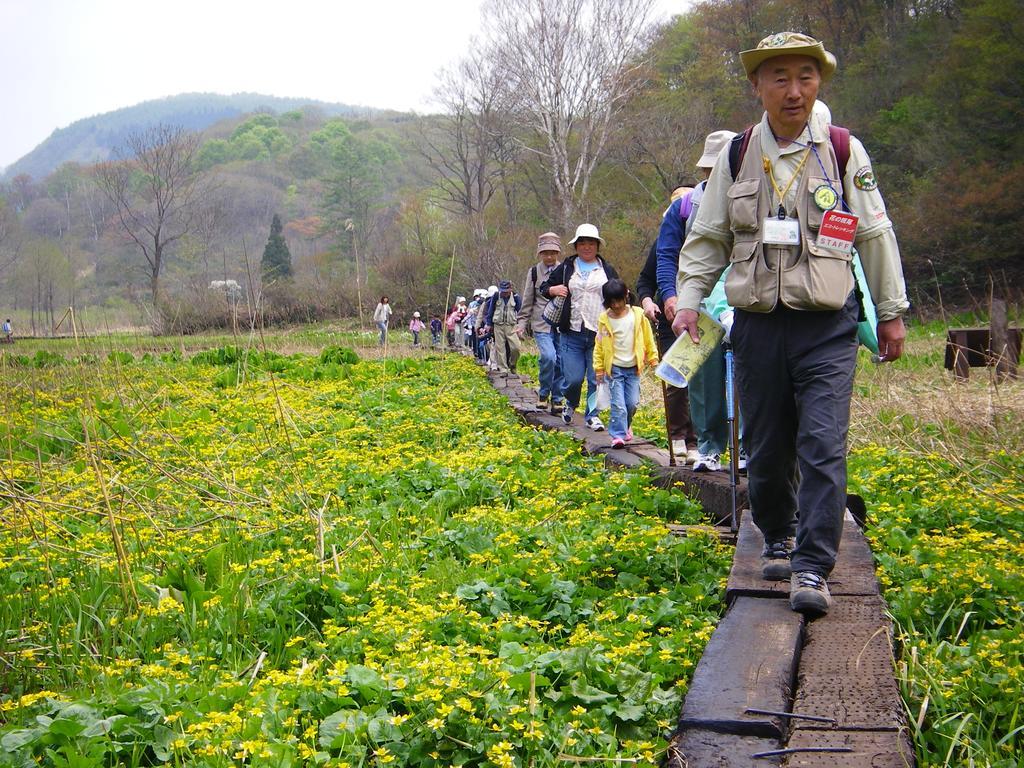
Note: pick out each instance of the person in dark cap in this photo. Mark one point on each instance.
(784, 207)
(501, 319)
(531, 320)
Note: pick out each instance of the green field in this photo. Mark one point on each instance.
(268, 554)
(312, 560)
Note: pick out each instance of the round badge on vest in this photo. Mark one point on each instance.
(825, 197)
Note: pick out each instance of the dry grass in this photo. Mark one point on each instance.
(919, 407)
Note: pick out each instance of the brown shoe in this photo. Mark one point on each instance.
(775, 559)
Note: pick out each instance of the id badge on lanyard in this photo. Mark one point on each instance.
(784, 231)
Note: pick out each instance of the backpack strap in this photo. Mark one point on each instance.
(840, 138)
(737, 150)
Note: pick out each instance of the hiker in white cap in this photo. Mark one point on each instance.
(416, 325)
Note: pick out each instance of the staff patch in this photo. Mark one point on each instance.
(865, 179)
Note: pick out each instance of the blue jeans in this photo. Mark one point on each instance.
(707, 404)
(550, 363)
(383, 325)
(577, 364)
(625, 391)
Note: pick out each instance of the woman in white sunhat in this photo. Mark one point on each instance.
(579, 280)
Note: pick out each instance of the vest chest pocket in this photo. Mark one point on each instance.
(743, 205)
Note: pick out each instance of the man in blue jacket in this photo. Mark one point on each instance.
(706, 388)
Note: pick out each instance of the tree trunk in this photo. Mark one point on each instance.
(154, 290)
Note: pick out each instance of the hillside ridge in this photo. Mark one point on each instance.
(92, 139)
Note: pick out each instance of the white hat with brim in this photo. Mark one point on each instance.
(788, 44)
(713, 147)
(587, 230)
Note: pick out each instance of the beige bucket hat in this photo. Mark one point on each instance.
(549, 241)
(786, 43)
(713, 147)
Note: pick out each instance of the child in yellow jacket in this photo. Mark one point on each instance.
(623, 347)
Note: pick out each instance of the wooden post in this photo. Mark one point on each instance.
(961, 365)
(1000, 349)
(668, 427)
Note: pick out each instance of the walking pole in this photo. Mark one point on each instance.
(734, 443)
(668, 429)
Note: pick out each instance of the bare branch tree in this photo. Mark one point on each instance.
(468, 149)
(568, 68)
(156, 192)
(8, 244)
(461, 150)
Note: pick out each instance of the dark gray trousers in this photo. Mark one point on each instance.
(795, 375)
(677, 400)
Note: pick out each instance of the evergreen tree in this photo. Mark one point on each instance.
(277, 260)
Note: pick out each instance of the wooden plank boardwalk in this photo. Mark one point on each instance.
(824, 690)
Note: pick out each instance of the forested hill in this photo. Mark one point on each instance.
(93, 138)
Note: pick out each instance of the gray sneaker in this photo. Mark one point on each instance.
(567, 413)
(775, 559)
(808, 593)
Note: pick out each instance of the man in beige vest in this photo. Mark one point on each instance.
(531, 320)
(786, 224)
(501, 317)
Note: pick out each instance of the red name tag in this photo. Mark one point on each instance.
(837, 231)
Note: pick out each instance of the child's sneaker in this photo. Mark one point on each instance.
(567, 413)
(629, 435)
(618, 442)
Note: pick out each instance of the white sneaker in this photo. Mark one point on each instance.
(707, 463)
(595, 424)
(692, 454)
(679, 449)
(741, 463)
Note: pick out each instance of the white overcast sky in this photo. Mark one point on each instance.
(63, 60)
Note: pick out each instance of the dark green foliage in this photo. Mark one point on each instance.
(46, 359)
(277, 259)
(338, 355)
(218, 356)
